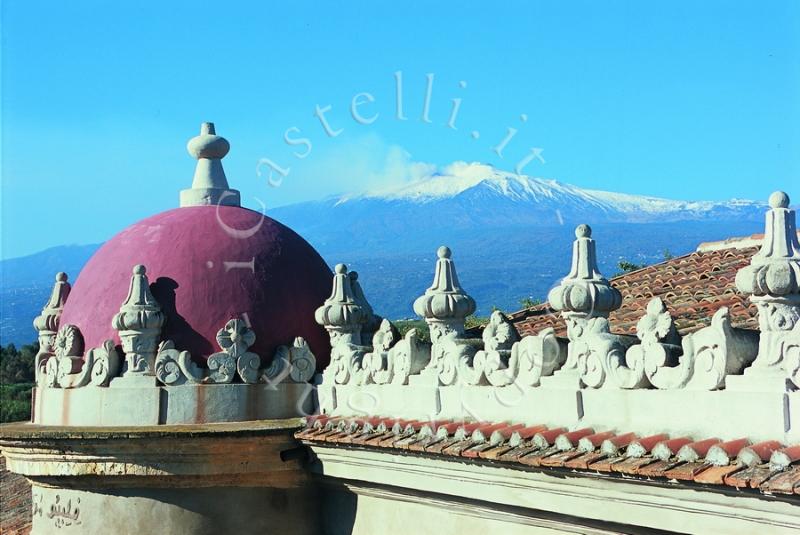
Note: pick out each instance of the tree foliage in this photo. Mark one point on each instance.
(16, 381)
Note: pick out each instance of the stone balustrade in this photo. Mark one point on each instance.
(720, 378)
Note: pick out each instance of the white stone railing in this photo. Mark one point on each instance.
(691, 383)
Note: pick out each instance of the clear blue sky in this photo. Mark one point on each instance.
(687, 100)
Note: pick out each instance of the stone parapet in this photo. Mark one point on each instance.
(87, 478)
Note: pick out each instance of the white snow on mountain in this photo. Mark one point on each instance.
(460, 177)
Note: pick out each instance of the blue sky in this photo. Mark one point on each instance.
(684, 100)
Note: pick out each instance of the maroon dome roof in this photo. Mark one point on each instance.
(206, 265)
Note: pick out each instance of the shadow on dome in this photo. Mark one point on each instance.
(177, 328)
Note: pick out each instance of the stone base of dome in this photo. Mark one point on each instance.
(174, 405)
(220, 478)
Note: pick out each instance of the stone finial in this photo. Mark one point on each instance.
(209, 186)
(445, 304)
(341, 314)
(773, 281)
(373, 321)
(46, 323)
(584, 291)
(139, 323)
(775, 269)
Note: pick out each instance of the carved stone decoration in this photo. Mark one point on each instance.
(410, 356)
(234, 339)
(105, 363)
(67, 359)
(279, 368)
(584, 294)
(709, 356)
(718, 351)
(373, 321)
(536, 357)
(221, 368)
(495, 359)
(346, 365)
(47, 323)
(341, 314)
(660, 348)
(453, 359)
(601, 354)
(773, 281)
(174, 367)
(377, 362)
(139, 323)
(303, 361)
(445, 304)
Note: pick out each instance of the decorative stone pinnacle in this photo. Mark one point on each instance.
(774, 271)
(584, 290)
(139, 323)
(341, 314)
(209, 186)
(445, 304)
(47, 322)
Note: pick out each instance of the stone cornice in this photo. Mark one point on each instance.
(610, 499)
(241, 454)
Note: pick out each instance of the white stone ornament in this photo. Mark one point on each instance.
(409, 357)
(105, 363)
(174, 367)
(584, 292)
(139, 323)
(342, 314)
(582, 295)
(709, 356)
(210, 185)
(47, 323)
(66, 360)
(660, 347)
(773, 281)
(495, 359)
(393, 359)
(234, 339)
(445, 304)
(377, 362)
(98, 367)
(537, 356)
(303, 361)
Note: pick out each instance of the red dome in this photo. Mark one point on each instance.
(206, 265)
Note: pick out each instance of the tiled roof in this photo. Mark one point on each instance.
(693, 287)
(766, 467)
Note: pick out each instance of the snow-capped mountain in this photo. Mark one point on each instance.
(464, 195)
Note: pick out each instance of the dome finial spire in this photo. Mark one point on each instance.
(210, 186)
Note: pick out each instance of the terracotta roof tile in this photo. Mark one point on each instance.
(716, 474)
(783, 482)
(656, 469)
(751, 477)
(643, 446)
(781, 459)
(692, 286)
(764, 467)
(582, 462)
(605, 464)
